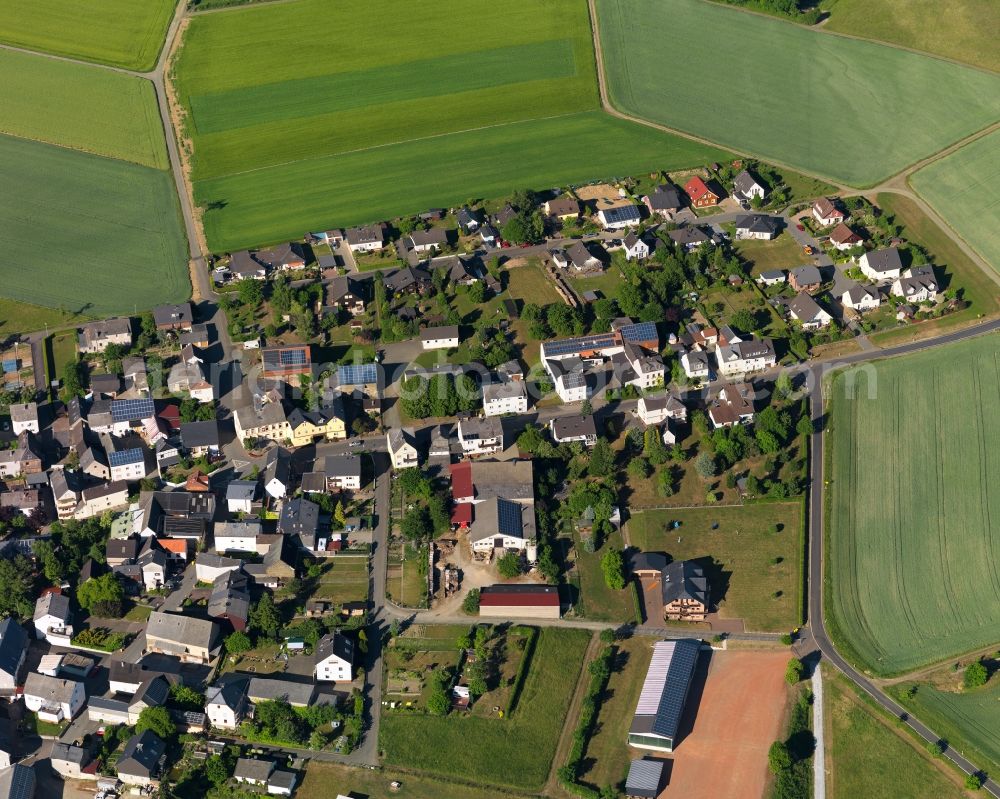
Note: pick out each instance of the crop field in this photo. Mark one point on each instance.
(914, 522)
(81, 107)
(122, 33)
(528, 738)
(966, 31)
(417, 111)
(87, 234)
(963, 188)
(848, 110)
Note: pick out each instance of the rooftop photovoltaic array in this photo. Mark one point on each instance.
(132, 410)
(666, 685)
(357, 374)
(125, 457)
(508, 517)
(580, 344)
(641, 331)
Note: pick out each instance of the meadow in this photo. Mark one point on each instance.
(913, 565)
(848, 110)
(86, 234)
(81, 107)
(443, 745)
(870, 754)
(966, 30)
(325, 779)
(122, 33)
(418, 111)
(962, 187)
(738, 556)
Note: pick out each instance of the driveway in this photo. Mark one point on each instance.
(174, 603)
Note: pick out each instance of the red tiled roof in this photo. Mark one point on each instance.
(519, 596)
(178, 545)
(462, 513)
(461, 479)
(696, 188)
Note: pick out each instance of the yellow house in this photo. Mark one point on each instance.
(310, 426)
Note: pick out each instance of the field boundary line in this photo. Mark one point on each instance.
(77, 61)
(82, 151)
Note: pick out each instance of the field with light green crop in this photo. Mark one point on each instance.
(849, 110)
(913, 570)
(416, 111)
(964, 188)
(81, 107)
(88, 234)
(122, 33)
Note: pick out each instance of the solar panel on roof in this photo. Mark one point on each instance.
(132, 410)
(641, 331)
(357, 374)
(292, 357)
(570, 345)
(125, 457)
(508, 517)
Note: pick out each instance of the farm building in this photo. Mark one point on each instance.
(645, 776)
(664, 692)
(520, 601)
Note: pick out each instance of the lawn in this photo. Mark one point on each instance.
(529, 283)
(780, 253)
(302, 137)
(962, 187)
(843, 109)
(607, 755)
(967, 720)
(343, 579)
(514, 752)
(115, 242)
(913, 531)
(323, 780)
(738, 556)
(870, 755)
(23, 317)
(61, 351)
(123, 33)
(966, 31)
(596, 600)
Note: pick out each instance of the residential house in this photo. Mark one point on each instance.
(685, 591)
(229, 600)
(277, 473)
(98, 499)
(23, 459)
(285, 362)
(262, 422)
(244, 266)
(653, 410)
(368, 238)
(342, 472)
(344, 293)
(664, 201)
(461, 271)
(173, 317)
(252, 771)
(502, 524)
(237, 536)
(505, 397)
(64, 493)
(24, 416)
(98, 336)
(105, 385)
(772, 277)
(226, 704)
(402, 447)
(695, 364)
(826, 212)
(53, 619)
(264, 689)
(141, 761)
(745, 356)
(881, 265)
(468, 220)
(69, 762)
(917, 284)
(635, 248)
(439, 338)
(300, 517)
(758, 226)
(690, 237)
(746, 187)
(480, 436)
(619, 217)
(634, 367)
(578, 257)
(53, 699)
(334, 658)
(152, 563)
(175, 514)
(489, 235)
(188, 377)
(192, 640)
(861, 298)
(565, 209)
(240, 496)
(805, 278)
(424, 241)
(208, 566)
(408, 281)
(276, 568)
(843, 238)
(326, 424)
(284, 257)
(569, 378)
(202, 439)
(581, 428)
(26, 501)
(127, 465)
(13, 650)
(700, 194)
(807, 312)
(732, 405)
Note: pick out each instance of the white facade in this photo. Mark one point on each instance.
(129, 472)
(403, 455)
(24, 417)
(743, 358)
(695, 366)
(863, 301)
(501, 398)
(873, 274)
(478, 438)
(221, 716)
(650, 413)
(439, 338)
(638, 251)
(53, 699)
(333, 669)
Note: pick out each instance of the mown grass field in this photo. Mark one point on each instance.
(737, 556)
(963, 188)
(966, 30)
(869, 755)
(967, 720)
(87, 234)
(323, 780)
(81, 107)
(22, 317)
(514, 752)
(123, 33)
(421, 110)
(913, 570)
(848, 110)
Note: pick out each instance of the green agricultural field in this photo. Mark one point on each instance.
(738, 556)
(123, 33)
(87, 234)
(418, 111)
(963, 188)
(512, 753)
(81, 107)
(914, 524)
(869, 754)
(21, 317)
(966, 30)
(848, 110)
(967, 720)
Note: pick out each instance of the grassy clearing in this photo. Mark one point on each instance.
(966, 30)
(596, 600)
(848, 110)
(962, 187)
(343, 579)
(529, 283)
(914, 547)
(122, 33)
(23, 317)
(81, 107)
(325, 779)
(780, 253)
(116, 243)
(738, 556)
(63, 352)
(869, 755)
(527, 739)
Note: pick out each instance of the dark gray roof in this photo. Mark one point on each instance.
(688, 235)
(295, 693)
(572, 426)
(170, 315)
(806, 275)
(200, 434)
(181, 629)
(664, 198)
(685, 579)
(744, 182)
(68, 754)
(758, 223)
(250, 768)
(804, 307)
(232, 694)
(141, 755)
(342, 466)
(665, 689)
(241, 490)
(17, 782)
(298, 517)
(887, 260)
(335, 644)
(644, 778)
(648, 561)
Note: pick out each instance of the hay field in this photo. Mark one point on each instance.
(963, 187)
(913, 565)
(91, 235)
(81, 107)
(122, 33)
(848, 110)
